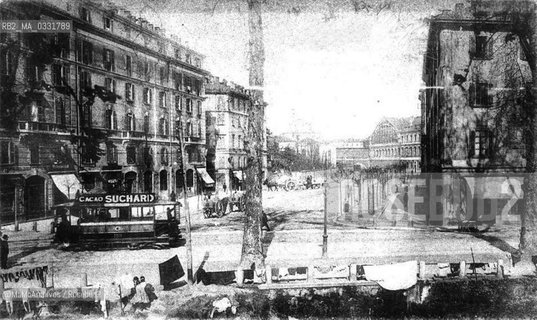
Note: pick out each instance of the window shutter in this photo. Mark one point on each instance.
(107, 119)
(133, 122)
(114, 118)
(471, 149)
(489, 52)
(471, 94)
(126, 125)
(67, 73)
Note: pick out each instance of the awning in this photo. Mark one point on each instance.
(238, 174)
(205, 176)
(68, 184)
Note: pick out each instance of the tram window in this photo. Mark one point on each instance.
(136, 212)
(148, 212)
(124, 214)
(114, 213)
(161, 213)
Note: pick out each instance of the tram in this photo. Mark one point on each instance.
(102, 221)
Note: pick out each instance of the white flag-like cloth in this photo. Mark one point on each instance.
(398, 276)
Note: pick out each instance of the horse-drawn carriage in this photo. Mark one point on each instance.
(218, 206)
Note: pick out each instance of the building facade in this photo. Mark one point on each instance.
(475, 73)
(227, 108)
(396, 141)
(352, 154)
(112, 75)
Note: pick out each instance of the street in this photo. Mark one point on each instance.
(296, 240)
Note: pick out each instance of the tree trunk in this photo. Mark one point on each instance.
(252, 250)
(528, 230)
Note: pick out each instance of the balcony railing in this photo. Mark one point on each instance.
(41, 126)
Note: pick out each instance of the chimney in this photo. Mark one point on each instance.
(150, 26)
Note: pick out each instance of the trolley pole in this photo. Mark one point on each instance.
(189, 273)
(325, 234)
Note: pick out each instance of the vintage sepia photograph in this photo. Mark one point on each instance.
(268, 159)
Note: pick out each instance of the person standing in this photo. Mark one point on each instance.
(4, 251)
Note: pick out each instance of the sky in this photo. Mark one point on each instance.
(329, 68)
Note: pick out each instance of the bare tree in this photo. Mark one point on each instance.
(252, 250)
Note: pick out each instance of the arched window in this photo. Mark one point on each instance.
(130, 123)
(163, 176)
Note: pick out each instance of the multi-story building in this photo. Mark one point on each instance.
(152, 87)
(227, 106)
(396, 141)
(352, 154)
(474, 73)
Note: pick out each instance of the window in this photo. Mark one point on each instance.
(110, 120)
(110, 84)
(131, 154)
(178, 80)
(239, 142)
(107, 23)
(197, 62)
(199, 130)
(197, 87)
(60, 72)
(148, 155)
(148, 96)
(479, 95)
(164, 156)
(177, 52)
(162, 99)
(60, 112)
(61, 45)
(162, 75)
(480, 142)
(127, 32)
(34, 154)
(111, 153)
(232, 141)
(130, 123)
(163, 180)
(220, 120)
(128, 64)
(483, 47)
(129, 92)
(85, 80)
(199, 108)
(146, 123)
(163, 126)
(161, 47)
(188, 105)
(34, 73)
(108, 60)
(188, 58)
(188, 84)
(86, 116)
(85, 14)
(178, 103)
(85, 52)
(146, 72)
(8, 152)
(188, 132)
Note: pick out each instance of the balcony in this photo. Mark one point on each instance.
(132, 134)
(41, 127)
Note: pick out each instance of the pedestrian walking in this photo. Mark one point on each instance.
(4, 251)
(140, 300)
(224, 186)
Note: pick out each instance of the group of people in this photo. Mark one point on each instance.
(141, 294)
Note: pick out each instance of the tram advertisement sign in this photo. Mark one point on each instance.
(117, 198)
